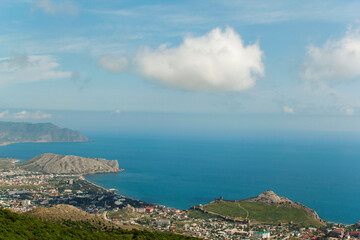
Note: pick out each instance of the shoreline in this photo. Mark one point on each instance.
(6, 143)
(120, 170)
(9, 143)
(124, 196)
(81, 177)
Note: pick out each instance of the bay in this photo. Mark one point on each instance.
(323, 174)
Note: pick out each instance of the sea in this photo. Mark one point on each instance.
(321, 172)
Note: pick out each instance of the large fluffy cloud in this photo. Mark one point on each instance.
(25, 115)
(335, 60)
(217, 61)
(23, 68)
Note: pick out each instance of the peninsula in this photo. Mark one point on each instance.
(19, 132)
(267, 208)
(68, 164)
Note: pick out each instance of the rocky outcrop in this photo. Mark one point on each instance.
(16, 132)
(53, 163)
(270, 197)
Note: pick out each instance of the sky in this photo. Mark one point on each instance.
(183, 66)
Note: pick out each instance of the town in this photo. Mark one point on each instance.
(22, 191)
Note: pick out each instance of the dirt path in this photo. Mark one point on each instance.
(247, 212)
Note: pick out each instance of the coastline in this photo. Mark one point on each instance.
(81, 177)
(110, 184)
(9, 143)
(6, 143)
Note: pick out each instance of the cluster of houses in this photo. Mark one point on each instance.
(165, 219)
(23, 178)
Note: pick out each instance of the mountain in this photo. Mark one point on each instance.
(53, 163)
(16, 132)
(267, 208)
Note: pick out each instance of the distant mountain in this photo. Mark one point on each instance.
(53, 163)
(267, 208)
(16, 132)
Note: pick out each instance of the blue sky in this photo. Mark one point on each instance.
(290, 65)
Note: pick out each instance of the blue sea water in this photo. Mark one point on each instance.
(322, 173)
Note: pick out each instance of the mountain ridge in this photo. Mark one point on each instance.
(55, 163)
(20, 132)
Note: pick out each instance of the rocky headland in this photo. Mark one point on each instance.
(270, 197)
(68, 164)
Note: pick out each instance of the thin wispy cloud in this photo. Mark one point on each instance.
(79, 80)
(217, 61)
(24, 68)
(113, 64)
(25, 115)
(349, 111)
(288, 110)
(262, 11)
(55, 6)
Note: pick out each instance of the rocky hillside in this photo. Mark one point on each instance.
(16, 132)
(267, 208)
(63, 212)
(53, 163)
(270, 197)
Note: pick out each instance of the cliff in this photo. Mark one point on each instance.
(53, 163)
(16, 132)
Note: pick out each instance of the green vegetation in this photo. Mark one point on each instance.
(200, 215)
(228, 209)
(16, 226)
(261, 212)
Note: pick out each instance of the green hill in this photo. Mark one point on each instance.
(267, 208)
(17, 227)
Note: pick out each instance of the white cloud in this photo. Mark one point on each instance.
(4, 114)
(335, 60)
(53, 7)
(288, 110)
(217, 61)
(112, 64)
(349, 111)
(25, 115)
(23, 68)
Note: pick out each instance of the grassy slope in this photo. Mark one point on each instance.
(200, 215)
(229, 209)
(261, 212)
(16, 226)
